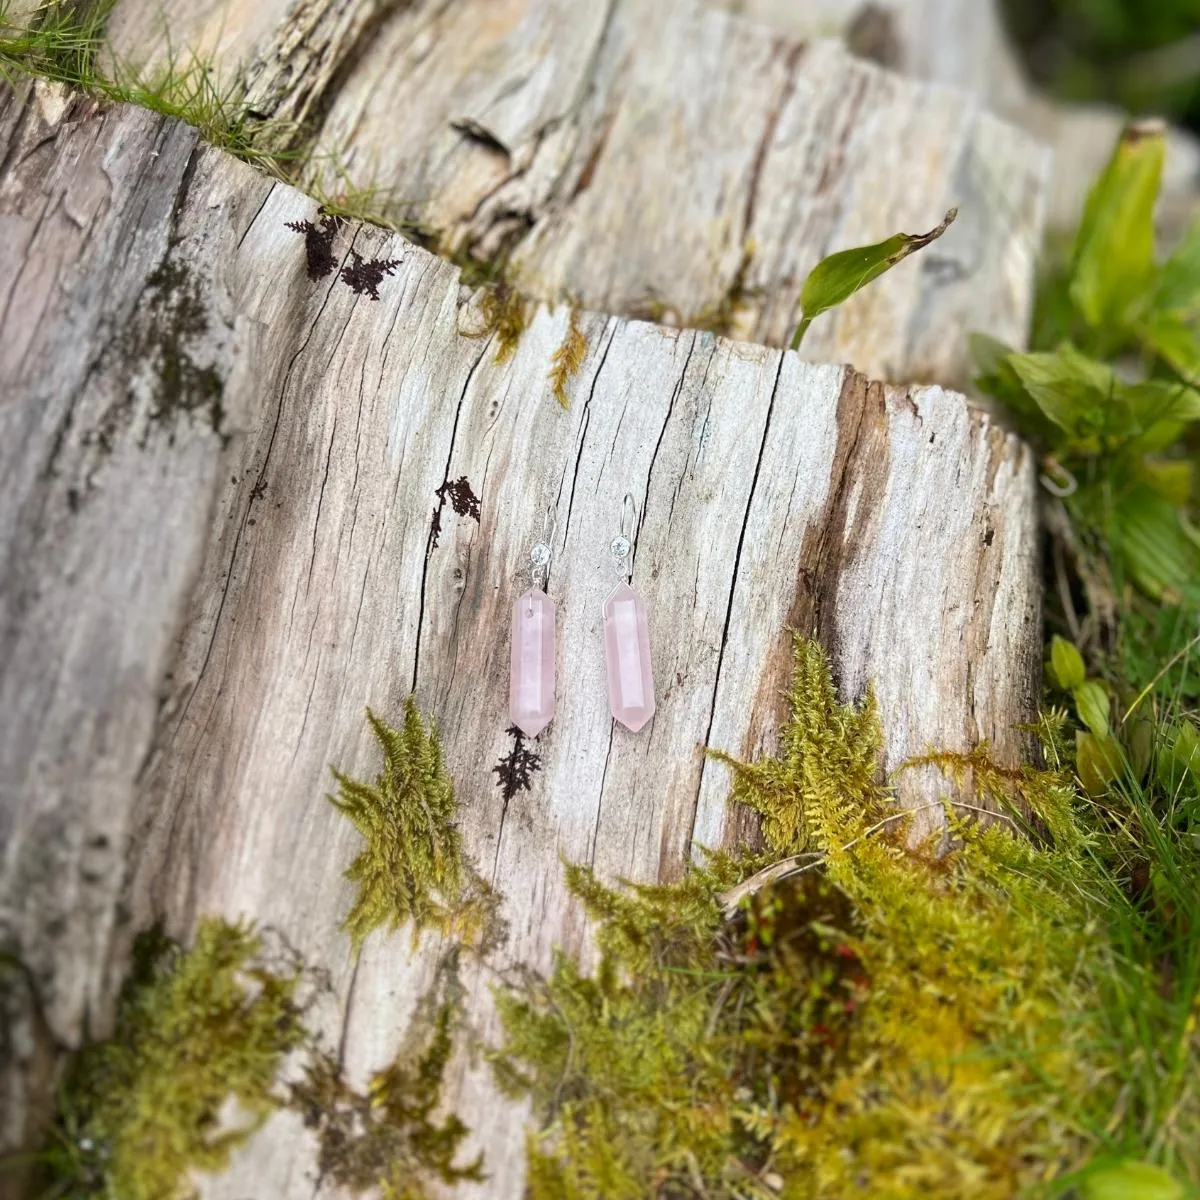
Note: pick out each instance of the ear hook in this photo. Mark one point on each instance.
(542, 552)
(628, 511)
(622, 544)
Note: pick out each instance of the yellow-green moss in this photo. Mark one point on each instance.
(568, 358)
(389, 1137)
(505, 313)
(412, 866)
(195, 1029)
(882, 1022)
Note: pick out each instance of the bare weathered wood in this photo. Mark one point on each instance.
(964, 43)
(217, 485)
(651, 158)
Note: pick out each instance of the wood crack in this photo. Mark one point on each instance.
(733, 583)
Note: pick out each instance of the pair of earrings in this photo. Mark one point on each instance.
(531, 700)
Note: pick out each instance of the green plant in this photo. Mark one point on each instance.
(64, 42)
(1140, 56)
(836, 278)
(411, 866)
(846, 1015)
(194, 1029)
(1107, 396)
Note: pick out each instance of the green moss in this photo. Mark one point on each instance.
(568, 358)
(195, 1029)
(868, 1020)
(412, 866)
(505, 312)
(827, 767)
(389, 1137)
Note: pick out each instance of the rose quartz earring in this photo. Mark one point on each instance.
(531, 660)
(627, 636)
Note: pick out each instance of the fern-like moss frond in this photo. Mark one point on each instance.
(412, 866)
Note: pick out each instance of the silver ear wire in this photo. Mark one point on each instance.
(622, 545)
(541, 553)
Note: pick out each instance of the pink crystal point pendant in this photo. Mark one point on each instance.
(627, 655)
(627, 642)
(531, 660)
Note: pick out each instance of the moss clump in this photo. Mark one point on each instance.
(505, 313)
(388, 1137)
(827, 769)
(412, 867)
(195, 1029)
(568, 358)
(666, 1072)
(877, 1022)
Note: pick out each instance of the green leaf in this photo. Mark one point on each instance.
(1126, 1179)
(1113, 265)
(1179, 758)
(1174, 341)
(836, 278)
(1097, 761)
(1066, 664)
(1161, 400)
(1158, 410)
(1072, 390)
(998, 379)
(1178, 288)
(1172, 479)
(1091, 703)
(1139, 734)
(1151, 542)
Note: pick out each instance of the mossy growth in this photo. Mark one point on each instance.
(195, 1030)
(412, 866)
(389, 1137)
(194, 1066)
(568, 358)
(870, 1020)
(505, 313)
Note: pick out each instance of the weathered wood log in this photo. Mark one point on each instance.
(222, 537)
(966, 45)
(649, 158)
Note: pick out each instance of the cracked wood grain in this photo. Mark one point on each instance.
(965, 45)
(650, 158)
(190, 642)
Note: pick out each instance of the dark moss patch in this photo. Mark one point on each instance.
(388, 1137)
(461, 498)
(514, 773)
(158, 349)
(365, 275)
(318, 243)
(176, 316)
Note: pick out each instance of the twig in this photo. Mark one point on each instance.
(786, 868)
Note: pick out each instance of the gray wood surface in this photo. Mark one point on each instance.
(964, 43)
(649, 157)
(217, 483)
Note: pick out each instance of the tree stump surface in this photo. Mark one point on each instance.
(222, 538)
(664, 160)
(964, 43)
